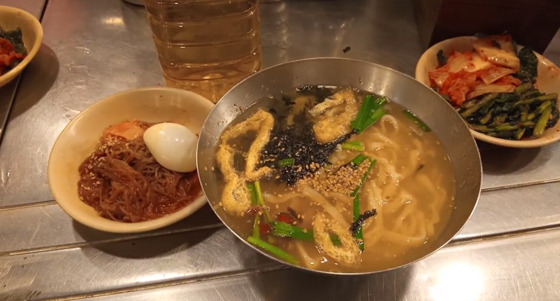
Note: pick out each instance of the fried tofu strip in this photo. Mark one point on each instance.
(347, 253)
(333, 116)
(235, 196)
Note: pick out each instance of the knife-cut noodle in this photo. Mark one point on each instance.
(405, 201)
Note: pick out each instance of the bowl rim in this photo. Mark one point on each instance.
(106, 225)
(478, 167)
(530, 143)
(10, 75)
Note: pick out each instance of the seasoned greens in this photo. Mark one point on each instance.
(523, 113)
(528, 61)
(15, 38)
(12, 50)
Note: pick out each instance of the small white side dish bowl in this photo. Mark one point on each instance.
(32, 36)
(81, 137)
(548, 81)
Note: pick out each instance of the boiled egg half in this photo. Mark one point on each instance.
(172, 145)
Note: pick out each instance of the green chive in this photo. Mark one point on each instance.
(286, 162)
(356, 203)
(416, 120)
(365, 110)
(273, 250)
(364, 178)
(282, 229)
(286, 230)
(353, 146)
(253, 193)
(359, 159)
(256, 230)
(260, 200)
(370, 111)
(335, 240)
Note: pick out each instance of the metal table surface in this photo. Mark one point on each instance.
(509, 249)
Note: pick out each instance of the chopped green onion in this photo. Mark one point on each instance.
(365, 110)
(253, 193)
(356, 212)
(416, 120)
(375, 116)
(256, 230)
(286, 230)
(380, 101)
(258, 192)
(282, 229)
(353, 146)
(370, 111)
(286, 162)
(363, 180)
(359, 159)
(335, 240)
(260, 200)
(356, 207)
(356, 203)
(273, 250)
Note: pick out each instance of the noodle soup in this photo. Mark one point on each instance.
(317, 182)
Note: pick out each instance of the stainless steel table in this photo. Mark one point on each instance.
(509, 249)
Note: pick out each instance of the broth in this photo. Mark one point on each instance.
(409, 190)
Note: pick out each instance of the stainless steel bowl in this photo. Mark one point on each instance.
(428, 105)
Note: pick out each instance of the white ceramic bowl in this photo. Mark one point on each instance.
(548, 81)
(81, 137)
(32, 35)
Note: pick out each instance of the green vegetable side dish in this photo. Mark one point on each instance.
(522, 114)
(15, 38)
(12, 50)
(515, 115)
(529, 62)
